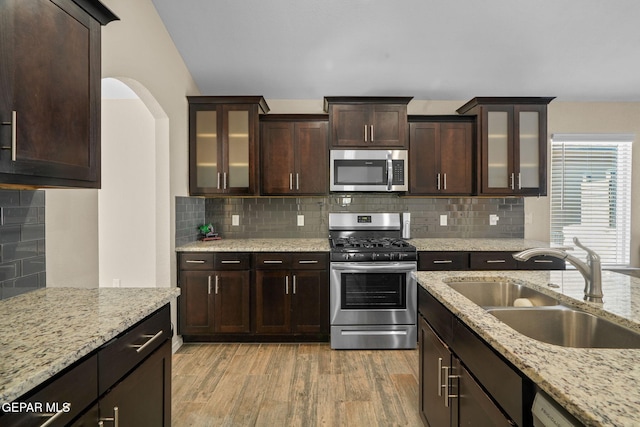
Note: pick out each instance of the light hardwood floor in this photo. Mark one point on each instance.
(293, 385)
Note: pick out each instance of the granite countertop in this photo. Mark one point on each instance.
(258, 245)
(322, 245)
(476, 244)
(45, 331)
(598, 386)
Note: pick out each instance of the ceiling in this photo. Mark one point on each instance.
(576, 50)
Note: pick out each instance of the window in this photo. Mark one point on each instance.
(591, 194)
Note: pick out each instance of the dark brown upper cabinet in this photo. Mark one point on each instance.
(50, 92)
(441, 155)
(367, 122)
(223, 147)
(294, 154)
(512, 143)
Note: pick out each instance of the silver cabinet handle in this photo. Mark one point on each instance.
(14, 135)
(152, 338)
(224, 180)
(218, 187)
(290, 181)
(195, 261)
(495, 261)
(217, 283)
(114, 418)
(513, 182)
(371, 133)
(542, 261)
(230, 261)
(440, 376)
(302, 261)
(438, 181)
(452, 396)
(442, 261)
(53, 417)
(286, 285)
(446, 386)
(445, 181)
(274, 261)
(297, 181)
(294, 284)
(519, 181)
(365, 133)
(209, 285)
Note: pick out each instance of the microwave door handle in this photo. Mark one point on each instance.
(389, 173)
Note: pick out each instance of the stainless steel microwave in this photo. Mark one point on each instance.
(369, 170)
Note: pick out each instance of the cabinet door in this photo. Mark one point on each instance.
(388, 126)
(497, 148)
(310, 293)
(195, 303)
(311, 170)
(456, 158)
(50, 102)
(277, 158)
(424, 165)
(273, 302)
(434, 357)
(530, 151)
(205, 150)
(475, 408)
(350, 125)
(238, 144)
(144, 397)
(231, 309)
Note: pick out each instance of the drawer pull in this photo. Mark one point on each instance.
(152, 338)
(307, 262)
(195, 261)
(442, 261)
(114, 418)
(543, 261)
(279, 261)
(440, 386)
(54, 417)
(231, 261)
(495, 261)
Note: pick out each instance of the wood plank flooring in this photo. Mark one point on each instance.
(293, 385)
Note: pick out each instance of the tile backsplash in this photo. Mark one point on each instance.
(278, 217)
(22, 241)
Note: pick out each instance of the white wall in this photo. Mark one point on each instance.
(127, 218)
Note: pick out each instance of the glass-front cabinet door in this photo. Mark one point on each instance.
(223, 152)
(512, 136)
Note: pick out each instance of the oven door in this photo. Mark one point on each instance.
(376, 293)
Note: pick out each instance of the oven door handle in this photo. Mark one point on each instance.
(374, 266)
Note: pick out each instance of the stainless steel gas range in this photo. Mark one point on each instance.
(373, 292)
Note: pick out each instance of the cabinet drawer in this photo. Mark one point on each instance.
(542, 262)
(492, 261)
(123, 353)
(196, 261)
(438, 316)
(232, 261)
(500, 380)
(309, 261)
(77, 386)
(272, 260)
(436, 261)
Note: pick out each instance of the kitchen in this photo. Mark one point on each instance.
(141, 31)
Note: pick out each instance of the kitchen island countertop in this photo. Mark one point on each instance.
(598, 386)
(47, 330)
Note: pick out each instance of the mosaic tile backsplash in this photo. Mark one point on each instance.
(22, 242)
(277, 217)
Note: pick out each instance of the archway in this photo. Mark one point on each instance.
(134, 201)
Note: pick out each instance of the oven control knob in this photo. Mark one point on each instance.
(374, 256)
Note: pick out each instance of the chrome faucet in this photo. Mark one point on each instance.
(590, 270)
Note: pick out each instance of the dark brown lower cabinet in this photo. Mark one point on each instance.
(462, 381)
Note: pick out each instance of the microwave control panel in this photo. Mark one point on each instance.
(398, 172)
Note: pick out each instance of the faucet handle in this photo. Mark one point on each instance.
(591, 253)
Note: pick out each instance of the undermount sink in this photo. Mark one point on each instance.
(500, 294)
(567, 327)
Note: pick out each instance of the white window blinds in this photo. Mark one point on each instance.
(591, 193)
